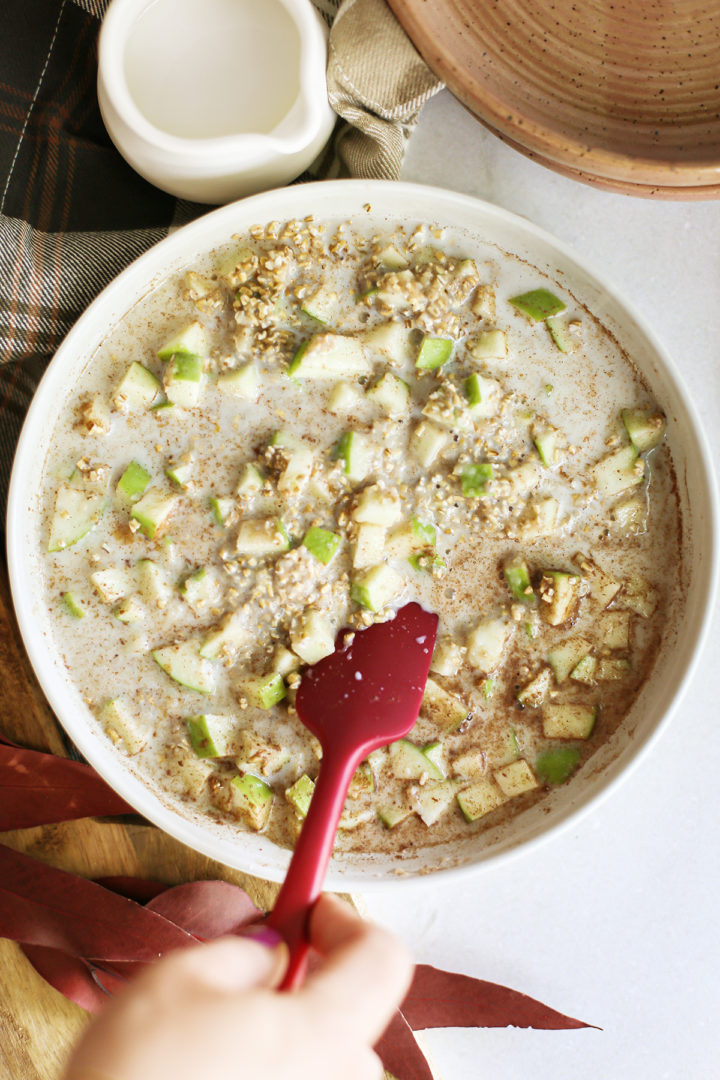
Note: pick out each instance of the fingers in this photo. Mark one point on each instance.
(227, 965)
(365, 973)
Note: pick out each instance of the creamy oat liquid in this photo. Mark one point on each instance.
(579, 393)
(200, 69)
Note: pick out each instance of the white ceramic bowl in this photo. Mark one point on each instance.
(392, 203)
(211, 126)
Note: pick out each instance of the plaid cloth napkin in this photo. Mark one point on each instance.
(73, 214)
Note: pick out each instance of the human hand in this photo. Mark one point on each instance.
(213, 1011)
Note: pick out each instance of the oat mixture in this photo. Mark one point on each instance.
(310, 428)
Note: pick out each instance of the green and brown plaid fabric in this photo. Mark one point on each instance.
(72, 212)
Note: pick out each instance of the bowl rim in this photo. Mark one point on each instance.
(195, 238)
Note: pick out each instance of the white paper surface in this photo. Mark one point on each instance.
(617, 920)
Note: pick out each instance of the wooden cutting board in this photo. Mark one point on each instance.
(37, 1024)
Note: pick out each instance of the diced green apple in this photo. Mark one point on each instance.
(561, 333)
(212, 735)
(391, 814)
(72, 605)
(137, 389)
(251, 799)
(322, 543)
(191, 341)
(474, 479)
(433, 353)
(264, 691)
(564, 721)
(479, 799)
(130, 610)
(300, 794)
(559, 593)
(618, 471)
(121, 726)
(630, 515)
(344, 398)
(447, 657)
(112, 584)
(76, 513)
(534, 692)
(153, 510)
(538, 304)
(242, 382)
(609, 670)
(224, 642)
(434, 799)
(584, 671)
(408, 539)
(614, 627)
(200, 590)
(483, 395)
(329, 356)
(377, 588)
(251, 481)
(427, 442)
(410, 762)
(314, 638)
(354, 449)
(391, 393)
(258, 754)
(557, 765)
(221, 507)
(545, 439)
(262, 536)
(321, 305)
(443, 708)
(518, 581)
(515, 778)
(486, 644)
(645, 428)
(393, 340)
(183, 380)
(298, 470)
(184, 664)
(603, 588)
(369, 545)
(377, 507)
(488, 345)
(133, 481)
(154, 586)
(181, 470)
(564, 658)
(391, 259)
(639, 596)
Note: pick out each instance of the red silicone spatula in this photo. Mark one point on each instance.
(362, 696)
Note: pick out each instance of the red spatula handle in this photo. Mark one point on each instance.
(306, 873)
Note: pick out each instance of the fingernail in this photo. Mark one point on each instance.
(263, 934)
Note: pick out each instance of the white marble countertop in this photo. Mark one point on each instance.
(615, 919)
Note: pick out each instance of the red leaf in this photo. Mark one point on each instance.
(399, 1052)
(71, 976)
(439, 999)
(38, 789)
(207, 909)
(40, 905)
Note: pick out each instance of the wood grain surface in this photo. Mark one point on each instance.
(37, 1025)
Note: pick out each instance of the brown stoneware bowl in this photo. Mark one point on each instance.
(624, 95)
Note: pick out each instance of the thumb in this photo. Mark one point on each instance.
(229, 965)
